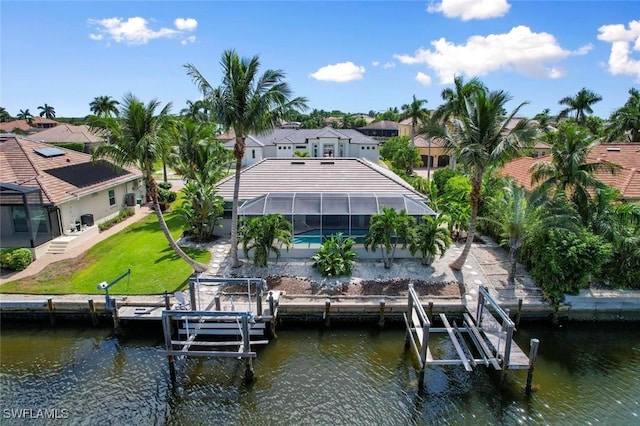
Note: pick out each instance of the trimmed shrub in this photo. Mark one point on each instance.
(124, 213)
(74, 146)
(15, 259)
(164, 185)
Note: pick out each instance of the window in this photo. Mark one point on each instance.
(19, 218)
(112, 197)
(253, 153)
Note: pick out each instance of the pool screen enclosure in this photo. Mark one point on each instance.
(326, 214)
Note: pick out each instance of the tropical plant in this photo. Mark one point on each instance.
(568, 169)
(480, 138)
(197, 110)
(25, 115)
(197, 155)
(300, 154)
(245, 102)
(134, 139)
(430, 238)
(104, 106)
(455, 202)
(454, 98)
(386, 230)
(47, 111)
(418, 116)
(626, 119)
(265, 234)
(4, 115)
(580, 104)
(335, 257)
(202, 210)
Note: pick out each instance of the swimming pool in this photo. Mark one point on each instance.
(313, 236)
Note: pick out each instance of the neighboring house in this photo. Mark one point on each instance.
(68, 133)
(323, 143)
(381, 130)
(321, 196)
(437, 152)
(49, 191)
(37, 123)
(541, 149)
(404, 127)
(626, 179)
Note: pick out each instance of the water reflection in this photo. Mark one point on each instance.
(307, 376)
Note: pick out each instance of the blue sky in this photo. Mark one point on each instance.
(354, 56)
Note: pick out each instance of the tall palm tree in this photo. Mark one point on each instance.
(418, 116)
(104, 106)
(580, 104)
(454, 98)
(247, 103)
(196, 110)
(480, 138)
(47, 111)
(25, 114)
(626, 119)
(135, 138)
(568, 170)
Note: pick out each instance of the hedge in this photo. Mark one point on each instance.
(15, 259)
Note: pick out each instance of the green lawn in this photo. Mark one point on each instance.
(141, 247)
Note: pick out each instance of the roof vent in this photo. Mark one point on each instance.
(613, 149)
(297, 162)
(327, 162)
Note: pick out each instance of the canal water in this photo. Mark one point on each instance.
(585, 374)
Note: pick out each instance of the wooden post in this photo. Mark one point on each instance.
(519, 314)
(430, 310)
(407, 338)
(92, 312)
(423, 354)
(166, 328)
(479, 310)
(327, 312)
(507, 347)
(381, 319)
(533, 354)
(51, 308)
(167, 301)
(258, 300)
(272, 310)
(216, 302)
(192, 296)
(114, 313)
(246, 347)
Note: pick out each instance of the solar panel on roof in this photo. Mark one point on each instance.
(49, 152)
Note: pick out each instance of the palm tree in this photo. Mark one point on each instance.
(25, 115)
(431, 238)
(418, 116)
(568, 170)
(47, 111)
(517, 214)
(135, 138)
(454, 98)
(4, 115)
(386, 230)
(480, 138)
(264, 234)
(626, 119)
(580, 103)
(247, 103)
(104, 106)
(197, 111)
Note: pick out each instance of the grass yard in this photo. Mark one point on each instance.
(141, 247)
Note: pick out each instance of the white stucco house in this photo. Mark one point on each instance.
(318, 143)
(47, 193)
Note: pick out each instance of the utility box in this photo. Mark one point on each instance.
(130, 199)
(87, 219)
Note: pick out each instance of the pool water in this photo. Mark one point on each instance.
(313, 236)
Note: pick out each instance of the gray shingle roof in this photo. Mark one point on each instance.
(335, 175)
(301, 136)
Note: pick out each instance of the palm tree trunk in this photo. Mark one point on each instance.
(429, 160)
(475, 198)
(234, 215)
(164, 170)
(511, 279)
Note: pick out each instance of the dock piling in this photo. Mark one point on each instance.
(533, 354)
(92, 312)
(167, 301)
(216, 302)
(519, 314)
(192, 295)
(430, 310)
(327, 312)
(114, 314)
(51, 308)
(381, 319)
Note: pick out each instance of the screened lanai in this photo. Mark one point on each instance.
(317, 215)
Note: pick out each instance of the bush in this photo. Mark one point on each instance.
(164, 185)
(74, 146)
(335, 257)
(15, 259)
(124, 213)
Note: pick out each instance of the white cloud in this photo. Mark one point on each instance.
(518, 50)
(423, 78)
(136, 30)
(389, 65)
(186, 24)
(621, 38)
(375, 63)
(339, 73)
(470, 9)
(556, 73)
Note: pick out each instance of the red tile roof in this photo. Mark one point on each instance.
(626, 179)
(22, 165)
